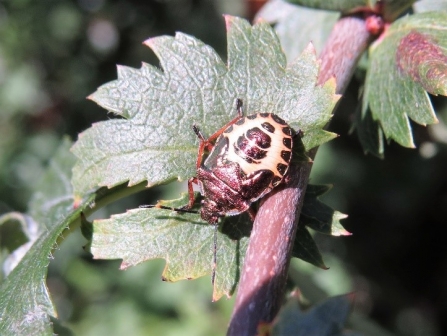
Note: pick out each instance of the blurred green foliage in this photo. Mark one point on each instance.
(53, 54)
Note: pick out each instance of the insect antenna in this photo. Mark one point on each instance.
(169, 208)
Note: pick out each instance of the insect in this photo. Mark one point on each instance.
(248, 158)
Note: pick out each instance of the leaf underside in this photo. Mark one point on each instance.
(405, 65)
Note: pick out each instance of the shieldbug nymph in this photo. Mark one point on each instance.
(248, 157)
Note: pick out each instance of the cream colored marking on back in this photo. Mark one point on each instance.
(273, 157)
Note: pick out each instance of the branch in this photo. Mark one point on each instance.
(264, 275)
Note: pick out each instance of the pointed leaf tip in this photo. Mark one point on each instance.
(310, 49)
(231, 20)
(149, 41)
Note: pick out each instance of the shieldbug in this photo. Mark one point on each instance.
(248, 158)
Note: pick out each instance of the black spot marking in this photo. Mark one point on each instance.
(229, 129)
(261, 139)
(286, 155)
(287, 131)
(287, 142)
(278, 119)
(268, 127)
(252, 116)
(257, 153)
(276, 180)
(282, 168)
(240, 121)
(248, 149)
(264, 115)
(242, 143)
(242, 155)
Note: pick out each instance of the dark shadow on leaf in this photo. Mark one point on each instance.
(86, 228)
(236, 227)
(181, 218)
(238, 266)
(306, 249)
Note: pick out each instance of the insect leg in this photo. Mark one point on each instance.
(203, 144)
(185, 208)
(191, 198)
(158, 206)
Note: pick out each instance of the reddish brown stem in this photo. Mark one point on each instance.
(264, 275)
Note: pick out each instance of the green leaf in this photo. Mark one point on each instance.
(184, 240)
(319, 216)
(305, 248)
(326, 318)
(369, 132)
(144, 234)
(25, 306)
(318, 136)
(408, 61)
(333, 5)
(154, 141)
(313, 25)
